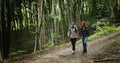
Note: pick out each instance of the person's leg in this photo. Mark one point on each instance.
(74, 42)
(85, 44)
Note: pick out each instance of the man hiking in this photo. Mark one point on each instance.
(73, 35)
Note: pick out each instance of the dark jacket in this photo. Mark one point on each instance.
(84, 32)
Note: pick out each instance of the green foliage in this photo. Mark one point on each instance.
(104, 31)
(22, 40)
(103, 22)
(34, 3)
(17, 53)
(56, 36)
(56, 40)
(48, 45)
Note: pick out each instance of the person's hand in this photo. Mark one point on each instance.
(69, 36)
(77, 36)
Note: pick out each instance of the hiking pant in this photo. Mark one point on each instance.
(84, 42)
(73, 42)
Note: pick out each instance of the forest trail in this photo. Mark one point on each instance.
(64, 54)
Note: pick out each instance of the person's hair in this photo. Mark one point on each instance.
(72, 22)
(83, 23)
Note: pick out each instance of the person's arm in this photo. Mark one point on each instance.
(77, 34)
(87, 31)
(68, 33)
(80, 32)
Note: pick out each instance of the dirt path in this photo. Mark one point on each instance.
(64, 54)
(110, 54)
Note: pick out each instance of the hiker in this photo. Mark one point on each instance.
(73, 35)
(84, 32)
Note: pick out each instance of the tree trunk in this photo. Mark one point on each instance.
(8, 25)
(116, 12)
(6, 20)
(3, 28)
(39, 26)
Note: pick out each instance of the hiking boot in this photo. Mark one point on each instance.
(73, 52)
(85, 51)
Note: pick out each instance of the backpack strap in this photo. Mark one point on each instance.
(76, 29)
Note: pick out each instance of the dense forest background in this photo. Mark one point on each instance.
(28, 26)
